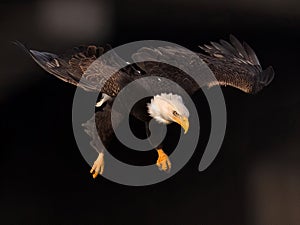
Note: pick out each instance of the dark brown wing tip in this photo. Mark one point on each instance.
(21, 46)
(267, 76)
(264, 79)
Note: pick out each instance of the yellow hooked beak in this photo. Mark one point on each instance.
(183, 122)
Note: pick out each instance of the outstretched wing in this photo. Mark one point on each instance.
(237, 65)
(81, 67)
(232, 64)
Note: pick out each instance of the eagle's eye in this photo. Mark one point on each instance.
(175, 113)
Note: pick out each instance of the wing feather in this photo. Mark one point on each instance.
(79, 66)
(239, 47)
(239, 66)
(232, 63)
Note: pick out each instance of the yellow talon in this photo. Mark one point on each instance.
(98, 166)
(163, 161)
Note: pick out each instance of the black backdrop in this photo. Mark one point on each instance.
(45, 180)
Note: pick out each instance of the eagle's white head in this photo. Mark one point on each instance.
(168, 108)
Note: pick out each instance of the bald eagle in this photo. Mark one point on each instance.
(232, 63)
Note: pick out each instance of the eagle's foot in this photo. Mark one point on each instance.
(163, 161)
(98, 166)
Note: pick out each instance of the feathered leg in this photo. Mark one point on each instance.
(91, 130)
(99, 126)
(163, 162)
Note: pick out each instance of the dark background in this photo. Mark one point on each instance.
(45, 180)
